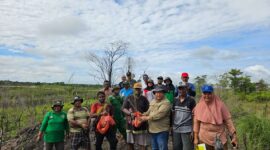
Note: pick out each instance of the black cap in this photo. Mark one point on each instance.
(160, 78)
(159, 88)
(77, 98)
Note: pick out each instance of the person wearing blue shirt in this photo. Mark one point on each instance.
(191, 90)
(126, 91)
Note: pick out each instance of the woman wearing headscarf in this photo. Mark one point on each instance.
(211, 117)
(54, 127)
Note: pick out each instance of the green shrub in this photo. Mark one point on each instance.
(254, 132)
(263, 96)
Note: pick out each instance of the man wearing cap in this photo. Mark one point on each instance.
(126, 91)
(78, 118)
(182, 120)
(130, 79)
(117, 101)
(54, 127)
(99, 109)
(158, 117)
(190, 87)
(136, 104)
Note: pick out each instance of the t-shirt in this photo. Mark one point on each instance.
(133, 104)
(80, 115)
(116, 103)
(126, 92)
(182, 120)
(100, 107)
(54, 126)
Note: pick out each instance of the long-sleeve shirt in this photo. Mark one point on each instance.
(159, 116)
(54, 126)
(207, 131)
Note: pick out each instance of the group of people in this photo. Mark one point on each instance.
(145, 114)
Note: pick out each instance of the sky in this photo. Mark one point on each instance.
(47, 41)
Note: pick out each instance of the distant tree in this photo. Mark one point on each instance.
(245, 85)
(103, 65)
(199, 82)
(223, 80)
(261, 85)
(234, 75)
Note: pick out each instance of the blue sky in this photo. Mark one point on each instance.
(46, 41)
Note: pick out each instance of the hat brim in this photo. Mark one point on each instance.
(77, 100)
(207, 91)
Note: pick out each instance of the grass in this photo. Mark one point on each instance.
(22, 106)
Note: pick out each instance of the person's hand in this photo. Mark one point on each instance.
(103, 113)
(234, 142)
(85, 126)
(191, 136)
(132, 115)
(144, 118)
(67, 136)
(196, 141)
(39, 137)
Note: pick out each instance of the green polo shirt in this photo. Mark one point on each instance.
(54, 126)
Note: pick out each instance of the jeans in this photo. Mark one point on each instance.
(182, 141)
(159, 140)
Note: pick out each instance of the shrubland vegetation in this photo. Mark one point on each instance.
(24, 104)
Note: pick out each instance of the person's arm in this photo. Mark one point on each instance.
(70, 117)
(43, 127)
(160, 113)
(232, 131)
(191, 90)
(196, 129)
(93, 111)
(125, 108)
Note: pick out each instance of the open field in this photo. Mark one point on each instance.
(25, 106)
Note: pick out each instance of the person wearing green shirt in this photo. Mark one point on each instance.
(116, 101)
(54, 127)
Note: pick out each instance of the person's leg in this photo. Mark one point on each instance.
(86, 141)
(99, 141)
(59, 146)
(162, 140)
(49, 146)
(154, 143)
(122, 129)
(177, 141)
(111, 137)
(75, 141)
(187, 142)
(142, 147)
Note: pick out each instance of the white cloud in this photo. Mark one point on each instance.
(63, 26)
(66, 29)
(258, 72)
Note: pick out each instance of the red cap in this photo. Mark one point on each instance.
(184, 74)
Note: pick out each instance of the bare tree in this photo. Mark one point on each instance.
(103, 65)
